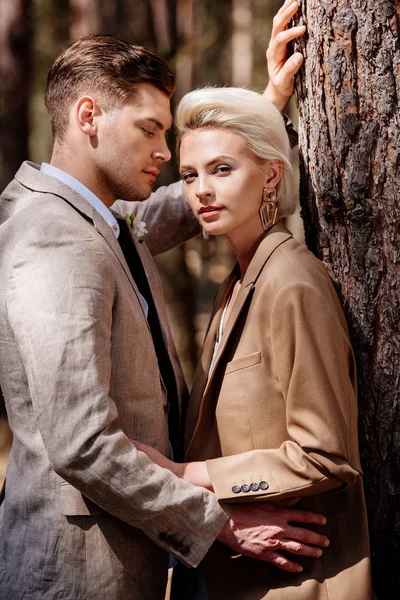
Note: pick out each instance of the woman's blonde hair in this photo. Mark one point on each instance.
(249, 115)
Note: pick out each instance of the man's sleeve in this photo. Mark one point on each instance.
(291, 131)
(311, 356)
(60, 302)
(168, 217)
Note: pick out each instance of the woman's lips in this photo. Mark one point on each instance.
(208, 212)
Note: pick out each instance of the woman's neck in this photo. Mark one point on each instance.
(244, 248)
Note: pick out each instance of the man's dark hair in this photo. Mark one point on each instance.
(106, 67)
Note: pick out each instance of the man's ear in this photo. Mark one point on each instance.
(85, 110)
(273, 173)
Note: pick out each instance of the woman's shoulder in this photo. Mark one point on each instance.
(293, 263)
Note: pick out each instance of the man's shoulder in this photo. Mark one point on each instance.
(30, 208)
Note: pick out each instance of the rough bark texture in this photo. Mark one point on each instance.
(348, 94)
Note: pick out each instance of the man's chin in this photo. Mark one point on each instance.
(136, 195)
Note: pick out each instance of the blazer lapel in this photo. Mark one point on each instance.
(202, 383)
(30, 176)
(201, 374)
(155, 285)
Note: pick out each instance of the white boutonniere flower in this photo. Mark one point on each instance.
(138, 227)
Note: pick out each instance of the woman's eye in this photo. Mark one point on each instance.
(188, 177)
(223, 169)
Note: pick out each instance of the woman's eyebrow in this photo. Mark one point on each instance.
(211, 162)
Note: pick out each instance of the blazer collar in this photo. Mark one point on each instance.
(202, 382)
(30, 176)
(271, 241)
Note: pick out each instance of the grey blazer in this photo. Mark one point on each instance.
(86, 516)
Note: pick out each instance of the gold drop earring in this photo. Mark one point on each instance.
(268, 208)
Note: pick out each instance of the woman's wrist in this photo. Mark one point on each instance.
(197, 473)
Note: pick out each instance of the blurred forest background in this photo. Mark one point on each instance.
(206, 42)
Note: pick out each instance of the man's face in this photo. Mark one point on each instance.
(132, 145)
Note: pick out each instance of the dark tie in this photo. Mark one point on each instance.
(164, 363)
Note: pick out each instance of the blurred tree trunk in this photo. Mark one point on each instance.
(84, 18)
(50, 37)
(15, 77)
(171, 36)
(242, 47)
(348, 96)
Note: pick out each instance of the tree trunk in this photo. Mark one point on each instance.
(348, 95)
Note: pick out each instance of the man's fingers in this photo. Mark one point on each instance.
(284, 37)
(303, 516)
(277, 49)
(285, 76)
(281, 562)
(306, 535)
(281, 20)
(301, 549)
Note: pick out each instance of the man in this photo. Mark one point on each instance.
(86, 358)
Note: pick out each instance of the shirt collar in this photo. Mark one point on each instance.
(81, 189)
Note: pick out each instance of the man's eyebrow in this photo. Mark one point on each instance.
(156, 122)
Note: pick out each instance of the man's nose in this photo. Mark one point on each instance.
(162, 153)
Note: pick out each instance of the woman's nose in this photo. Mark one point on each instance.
(203, 188)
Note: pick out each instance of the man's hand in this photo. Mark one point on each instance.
(281, 69)
(262, 530)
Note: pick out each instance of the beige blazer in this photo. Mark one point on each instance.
(277, 419)
(85, 516)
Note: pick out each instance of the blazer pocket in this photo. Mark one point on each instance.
(243, 362)
(73, 503)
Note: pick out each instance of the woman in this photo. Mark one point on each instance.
(273, 411)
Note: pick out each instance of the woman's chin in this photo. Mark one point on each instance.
(215, 230)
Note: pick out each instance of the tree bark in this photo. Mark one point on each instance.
(348, 96)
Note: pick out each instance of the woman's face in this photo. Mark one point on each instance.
(222, 182)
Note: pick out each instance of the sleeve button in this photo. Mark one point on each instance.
(236, 489)
(254, 487)
(185, 550)
(263, 485)
(245, 488)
